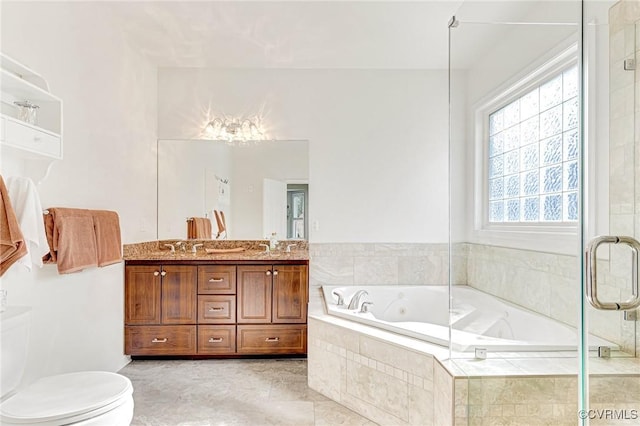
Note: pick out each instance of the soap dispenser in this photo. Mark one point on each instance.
(273, 241)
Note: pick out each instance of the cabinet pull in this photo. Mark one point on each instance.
(216, 280)
(275, 272)
(272, 339)
(268, 272)
(215, 339)
(156, 340)
(163, 273)
(217, 308)
(156, 273)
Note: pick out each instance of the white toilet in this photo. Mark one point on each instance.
(82, 398)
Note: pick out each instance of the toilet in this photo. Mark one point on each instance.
(80, 398)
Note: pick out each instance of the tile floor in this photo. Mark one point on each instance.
(215, 392)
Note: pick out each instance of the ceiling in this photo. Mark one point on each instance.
(289, 34)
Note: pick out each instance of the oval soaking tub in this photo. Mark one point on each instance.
(478, 320)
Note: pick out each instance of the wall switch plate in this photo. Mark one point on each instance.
(481, 353)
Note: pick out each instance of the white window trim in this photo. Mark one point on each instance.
(558, 237)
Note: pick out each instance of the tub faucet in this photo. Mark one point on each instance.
(339, 296)
(354, 303)
(364, 308)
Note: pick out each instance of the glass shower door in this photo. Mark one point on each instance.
(610, 376)
(515, 224)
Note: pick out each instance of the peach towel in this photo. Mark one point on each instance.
(107, 228)
(222, 227)
(72, 239)
(12, 244)
(199, 228)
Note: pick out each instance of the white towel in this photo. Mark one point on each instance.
(26, 203)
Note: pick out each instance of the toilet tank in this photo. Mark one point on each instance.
(14, 338)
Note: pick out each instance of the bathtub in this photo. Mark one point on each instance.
(478, 320)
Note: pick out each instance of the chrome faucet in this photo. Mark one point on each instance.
(194, 248)
(354, 303)
(364, 308)
(172, 247)
(339, 296)
(266, 247)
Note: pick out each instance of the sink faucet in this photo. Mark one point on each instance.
(288, 250)
(194, 248)
(355, 300)
(266, 247)
(171, 246)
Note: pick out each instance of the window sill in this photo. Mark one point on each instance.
(550, 239)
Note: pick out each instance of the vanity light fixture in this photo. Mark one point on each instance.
(235, 131)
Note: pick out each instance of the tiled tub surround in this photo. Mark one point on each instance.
(546, 283)
(396, 380)
(542, 282)
(376, 264)
(477, 320)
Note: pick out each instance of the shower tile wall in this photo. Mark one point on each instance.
(624, 137)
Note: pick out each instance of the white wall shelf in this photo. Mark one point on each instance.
(43, 139)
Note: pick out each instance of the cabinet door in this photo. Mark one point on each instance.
(179, 297)
(142, 295)
(254, 294)
(290, 294)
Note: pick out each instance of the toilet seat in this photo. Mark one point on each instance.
(66, 398)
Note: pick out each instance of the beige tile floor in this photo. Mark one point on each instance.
(225, 392)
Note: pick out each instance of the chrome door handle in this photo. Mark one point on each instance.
(591, 272)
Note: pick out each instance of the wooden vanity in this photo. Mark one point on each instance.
(216, 305)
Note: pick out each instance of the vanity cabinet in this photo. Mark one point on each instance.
(160, 309)
(212, 309)
(275, 297)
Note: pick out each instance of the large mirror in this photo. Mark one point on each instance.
(260, 189)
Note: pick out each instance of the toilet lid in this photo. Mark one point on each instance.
(65, 395)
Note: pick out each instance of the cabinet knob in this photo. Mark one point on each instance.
(275, 272)
(163, 273)
(272, 339)
(216, 280)
(156, 340)
(268, 272)
(215, 339)
(156, 273)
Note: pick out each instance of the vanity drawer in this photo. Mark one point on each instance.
(272, 339)
(160, 340)
(216, 309)
(216, 339)
(28, 138)
(217, 279)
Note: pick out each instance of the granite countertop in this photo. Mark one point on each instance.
(156, 250)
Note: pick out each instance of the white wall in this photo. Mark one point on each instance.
(109, 94)
(377, 140)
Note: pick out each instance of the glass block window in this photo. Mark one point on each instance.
(533, 154)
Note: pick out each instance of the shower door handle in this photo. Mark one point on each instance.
(591, 273)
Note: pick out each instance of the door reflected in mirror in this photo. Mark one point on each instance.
(260, 189)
